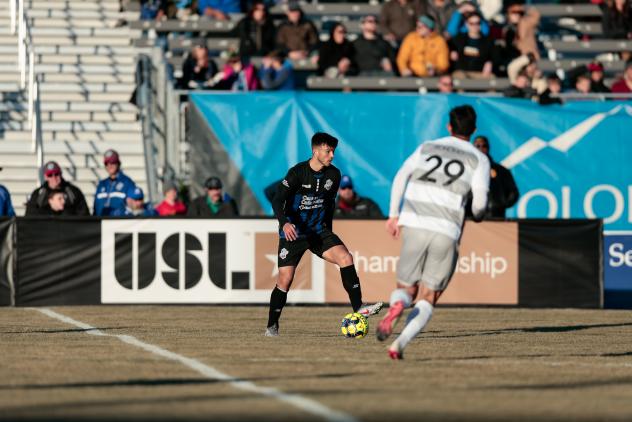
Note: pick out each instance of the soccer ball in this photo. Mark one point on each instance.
(354, 325)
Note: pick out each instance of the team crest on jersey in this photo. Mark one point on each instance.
(283, 253)
(285, 183)
(328, 184)
(119, 186)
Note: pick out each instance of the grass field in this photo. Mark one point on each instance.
(213, 363)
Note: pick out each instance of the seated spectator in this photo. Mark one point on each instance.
(398, 18)
(218, 9)
(624, 85)
(441, 11)
(297, 36)
(472, 51)
(256, 32)
(215, 203)
(6, 207)
(38, 203)
(55, 203)
(171, 205)
(529, 65)
(350, 204)
(457, 23)
(197, 69)
(597, 84)
(423, 52)
(112, 191)
(238, 74)
(336, 57)
(554, 86)
(135, 206)
(520, 31)
(373, 55)
(582, 84)
(520, 87)
(277, 73)
(616, 19)
(445, 85)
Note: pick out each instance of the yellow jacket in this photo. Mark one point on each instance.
(416, 53)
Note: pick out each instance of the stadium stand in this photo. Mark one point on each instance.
(86, 68)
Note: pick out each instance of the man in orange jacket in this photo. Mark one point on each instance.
(423, 52)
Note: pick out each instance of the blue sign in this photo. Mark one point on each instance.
(618, 270)
(569, 161)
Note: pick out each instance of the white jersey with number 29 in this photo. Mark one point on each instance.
(435, 182)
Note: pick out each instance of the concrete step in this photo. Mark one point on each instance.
(83, 174)
(73, 5)
(77, 126)
(14, 116)
(85, 59)
(75, 96)
(83, 68)
(106, 107)
(63, 40)
(87, 78)
(97, 148)
(113, 33)
(87, 116)
(97, 50)
(12, 77)
(87, 87)
(105, 15)
(108, 136)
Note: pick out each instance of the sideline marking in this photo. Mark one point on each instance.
(302, 403)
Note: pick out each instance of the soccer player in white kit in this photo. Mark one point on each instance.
(435, 183)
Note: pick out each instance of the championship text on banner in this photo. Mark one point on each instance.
(569, 161)
(235, 261)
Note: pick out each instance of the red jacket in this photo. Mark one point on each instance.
(165, 209)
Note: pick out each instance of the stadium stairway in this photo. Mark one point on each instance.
(87, 68)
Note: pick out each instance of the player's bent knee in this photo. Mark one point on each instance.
(345, 260)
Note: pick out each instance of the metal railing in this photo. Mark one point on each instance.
(29, 81)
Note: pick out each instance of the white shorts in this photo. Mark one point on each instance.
(427, 257)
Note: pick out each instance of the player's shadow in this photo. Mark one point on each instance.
(541, 329)
(66, 330)
(565, 385)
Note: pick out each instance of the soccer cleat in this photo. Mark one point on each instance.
(395, 352)
(368, 310)
(386, 325)
(272, 331)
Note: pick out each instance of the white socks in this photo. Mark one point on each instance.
(401, 294)
(417, 320)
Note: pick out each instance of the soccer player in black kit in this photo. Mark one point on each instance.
(304, 205)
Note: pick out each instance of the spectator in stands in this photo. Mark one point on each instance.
(457, 23)
(75, 202)
(528, 64)
(554, 86)
(441, 11)
(503, 192)
(445, 84)
(617, 19)
(424, 52)
(520, 87)
(112, 191)
(277, 73)
(256, 31)
(6, 207)
(350, 204)
(336, 57)
(373, 55)
(398, 18)
(582, 84)
(135, 205)
(298, 37)
(171, 205)
(597, 81)
(55, 203)
(238, 74)
(215, 203)
(520, 31)
(197, 69)
(472, 51)
(624, 85)
(218, 9)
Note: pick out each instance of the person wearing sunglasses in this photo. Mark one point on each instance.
(39, 204)
(111, 194)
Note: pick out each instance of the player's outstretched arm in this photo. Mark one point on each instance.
(480, 187)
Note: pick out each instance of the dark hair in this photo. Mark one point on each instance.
(54, 192)
(463, 120)
(322, 138)
(333, 27)
(254, 5)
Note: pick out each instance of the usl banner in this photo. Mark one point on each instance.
(569, 161)
(618, 270)
(235, 261)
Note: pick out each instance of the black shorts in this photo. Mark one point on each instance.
(290, 253)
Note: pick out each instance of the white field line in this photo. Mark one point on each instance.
(302, 403)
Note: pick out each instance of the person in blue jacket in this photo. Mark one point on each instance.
(112, 191)
(6, 207)
(277, 73)
(136, 207)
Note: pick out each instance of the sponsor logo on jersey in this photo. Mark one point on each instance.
(283, 253)
(307, 186)
(119, 186)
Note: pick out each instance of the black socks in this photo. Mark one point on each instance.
(277, 302)
(351, 283)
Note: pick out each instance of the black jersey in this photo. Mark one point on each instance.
(307, 198)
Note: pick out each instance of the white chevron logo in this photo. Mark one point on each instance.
(563, 142)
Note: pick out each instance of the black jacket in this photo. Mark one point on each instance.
(331, 53)
(254, 39)
(503, 192)
(362, 208)
(75, 201)
(199, 208)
